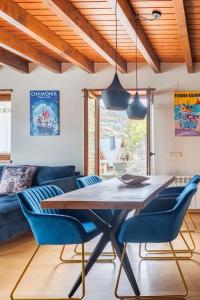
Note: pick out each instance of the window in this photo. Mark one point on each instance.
(122, 143)
(5, 126)
(114, 144)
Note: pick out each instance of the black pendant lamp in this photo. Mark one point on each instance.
(115, 97)
(136, 109)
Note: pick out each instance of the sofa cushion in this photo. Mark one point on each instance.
(16, 178)
(44, 174)
(12, 220)
(12, 224)
(8, 204)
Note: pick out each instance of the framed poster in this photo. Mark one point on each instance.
(44, 113)
(187, 113)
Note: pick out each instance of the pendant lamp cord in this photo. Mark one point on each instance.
(136, 62)
(116, 36)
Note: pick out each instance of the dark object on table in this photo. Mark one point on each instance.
(132, 179)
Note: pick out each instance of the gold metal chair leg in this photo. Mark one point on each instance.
(27, 266)
(193, 223)
(70, 261)
(106, 253)
(167, 252)
(119, 273)
(192, 220)
(22, 274)
(150, 297)
(190, 235)
(179, 269)
(188, 250)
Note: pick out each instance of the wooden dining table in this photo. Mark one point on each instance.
(110, 194)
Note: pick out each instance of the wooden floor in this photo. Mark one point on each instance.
(47, 277)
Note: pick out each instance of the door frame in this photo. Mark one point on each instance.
(95, 94)
(89, 94)
(6, 95)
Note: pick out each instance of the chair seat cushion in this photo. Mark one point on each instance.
(89, 227)
(91, 231)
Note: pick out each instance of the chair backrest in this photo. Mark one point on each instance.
(88, 180)
(182, 204)
(49, 226)
(30, 199)
(194, 179)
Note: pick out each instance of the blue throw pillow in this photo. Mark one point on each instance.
(44, 174)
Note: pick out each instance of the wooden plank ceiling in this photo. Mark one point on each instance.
(173, 38)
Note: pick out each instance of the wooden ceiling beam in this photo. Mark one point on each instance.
(15, 62)
(15, 45)
(126, 15)
(66, 11)
(183, 32)
(20, 18)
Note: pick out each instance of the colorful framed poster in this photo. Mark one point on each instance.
(187, 113)
(44, 113)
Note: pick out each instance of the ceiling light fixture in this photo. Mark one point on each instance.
(136, 109)
(115, 97)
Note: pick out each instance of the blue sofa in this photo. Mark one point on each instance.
(12, 220)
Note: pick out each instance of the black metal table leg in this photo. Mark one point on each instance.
(110, 233)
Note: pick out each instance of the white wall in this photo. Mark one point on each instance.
(68, 147)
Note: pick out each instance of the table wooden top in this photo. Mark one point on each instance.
(110, 194)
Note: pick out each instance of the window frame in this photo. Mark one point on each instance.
(5, 95)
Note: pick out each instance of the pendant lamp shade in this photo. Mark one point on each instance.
(115, 97)
(136, 110)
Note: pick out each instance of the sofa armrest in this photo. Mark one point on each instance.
(67, 184)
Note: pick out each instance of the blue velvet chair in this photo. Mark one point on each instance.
(175, 190)
(166, 202)
(160, 226)
(179, 189)
(52, 226)
(88, 180)
(105, 214)
(85, 181)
